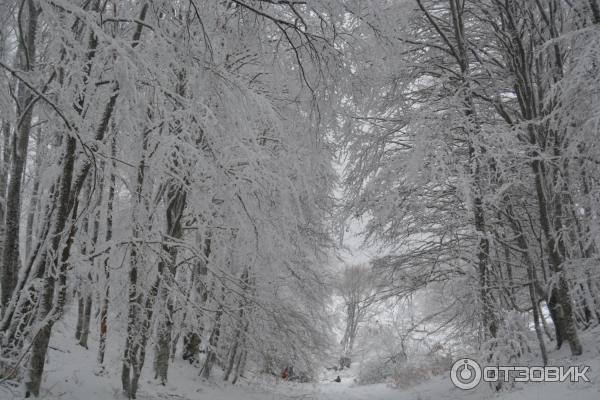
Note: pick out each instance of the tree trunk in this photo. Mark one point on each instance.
(536, 314)
(85, 328)
(87, 314)
(34, 200)
(130, 357)
(531, 99)
(560, 303)
(49, 308)
(26, 100)
(240, 366)
(162, 350)
(239, 330)
(213, 343)
(109, 222)
(83, 288)
(176, 203)
(167, 271)
(6, 134)
(67, 199)
(80, 312)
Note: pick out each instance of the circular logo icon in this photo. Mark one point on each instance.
(465, 374)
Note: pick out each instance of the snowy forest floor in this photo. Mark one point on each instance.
(72, 374)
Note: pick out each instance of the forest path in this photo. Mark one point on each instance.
(72, 374)
(440, 388)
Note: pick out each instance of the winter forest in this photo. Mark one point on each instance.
(297, 199)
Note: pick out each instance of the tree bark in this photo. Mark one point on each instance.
(85, 328)
(6, 134)
(49, 311)
(240, 365)
(213, 343)
(34, 200)
(25, 103)
(240, 330)
(87, 315)
(176, 203)
(106, 268)
(130, 356)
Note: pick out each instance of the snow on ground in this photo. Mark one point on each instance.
(72, 374)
